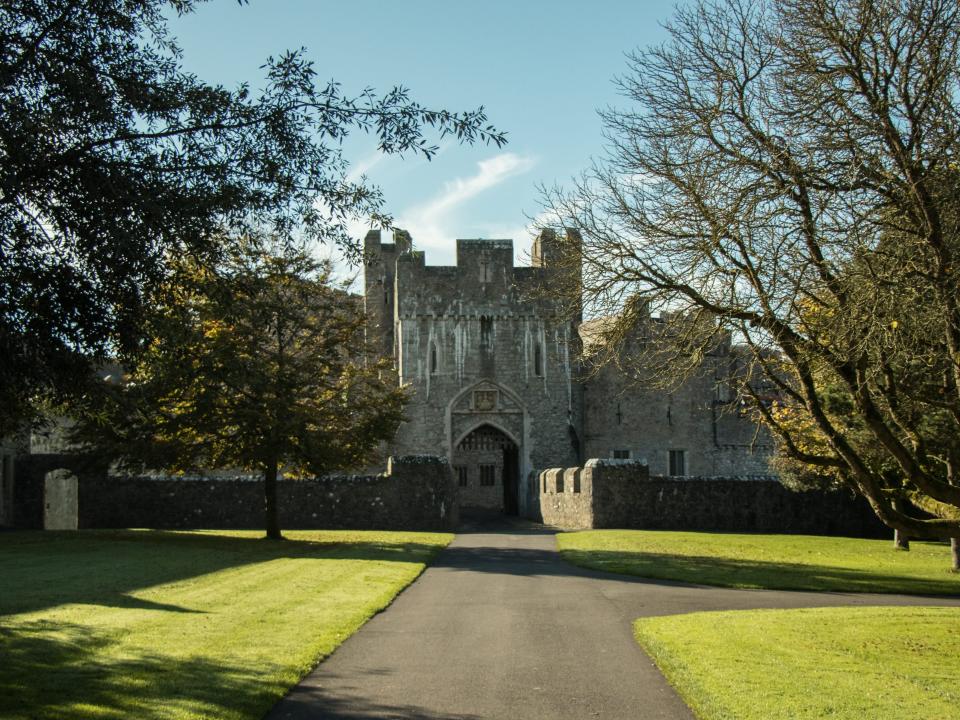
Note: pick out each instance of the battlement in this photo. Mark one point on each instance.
(484, 281)
(495, 252)
(494, 257)
(605, 494)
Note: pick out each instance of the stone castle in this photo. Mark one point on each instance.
(504, 393)
(499, 388)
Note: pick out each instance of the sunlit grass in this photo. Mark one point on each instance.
(147, 624)
(837, 663)
(786, 562)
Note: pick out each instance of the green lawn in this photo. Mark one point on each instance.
(786, 562)
(836, 663)
(149, 624)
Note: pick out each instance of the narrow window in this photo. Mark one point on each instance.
(620, 454)
(722, 391)
(488, 475)
(486, 331)
(678, 462)
(619, 415)
(433, 358)
(462, 475)
(538, 360)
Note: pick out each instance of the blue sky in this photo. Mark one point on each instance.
(541, 70)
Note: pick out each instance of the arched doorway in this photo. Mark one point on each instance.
(486, 462)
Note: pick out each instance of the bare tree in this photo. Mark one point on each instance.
(786, 171)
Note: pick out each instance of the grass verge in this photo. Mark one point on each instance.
(837, 663)
(785, 562)
(151, 624)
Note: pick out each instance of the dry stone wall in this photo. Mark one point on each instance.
(611, 494)
(416, 493)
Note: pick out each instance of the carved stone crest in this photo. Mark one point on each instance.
(485, 400)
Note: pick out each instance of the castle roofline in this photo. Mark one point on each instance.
(488, 243)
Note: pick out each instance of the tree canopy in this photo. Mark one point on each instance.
(114, 157)
(785, 171)
(258, 363)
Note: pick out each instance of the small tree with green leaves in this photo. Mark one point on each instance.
(259, 364)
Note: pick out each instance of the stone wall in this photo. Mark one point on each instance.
(609, 494)
(564, 501)
(627, 414)
(473, 492)
(27, 492)
(416, 493)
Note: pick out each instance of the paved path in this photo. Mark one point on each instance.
(501, 627)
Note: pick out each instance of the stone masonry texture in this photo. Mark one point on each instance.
(625, 495)
(496, 367)
(415, 494)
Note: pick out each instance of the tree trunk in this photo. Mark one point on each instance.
(900, 540)
(270, 499)
(955, 553)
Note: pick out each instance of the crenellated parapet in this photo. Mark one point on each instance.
(623, 494)
(483, 282)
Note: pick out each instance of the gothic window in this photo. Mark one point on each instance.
(538, 360)
(486, 331)
(462, 475)
(433, 358)
(678, 462)
(488, 475)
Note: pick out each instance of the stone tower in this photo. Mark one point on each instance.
(492, 363)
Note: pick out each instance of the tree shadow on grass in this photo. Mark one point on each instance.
(727, 572)
(42, 569)
(58, 670)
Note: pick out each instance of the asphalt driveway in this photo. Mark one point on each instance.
(501, 627)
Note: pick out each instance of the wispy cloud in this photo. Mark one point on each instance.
(364, 165)
(433, 224)
(491, 172)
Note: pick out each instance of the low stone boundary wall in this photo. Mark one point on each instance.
(605, 494)
(416, 493)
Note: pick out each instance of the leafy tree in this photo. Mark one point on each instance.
(909, 352)
(786, 175)
(113, 157)
(259, 364)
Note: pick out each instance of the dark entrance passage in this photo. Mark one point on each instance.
(486, 463)
(511, 476)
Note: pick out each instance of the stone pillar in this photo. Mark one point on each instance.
(60, 500)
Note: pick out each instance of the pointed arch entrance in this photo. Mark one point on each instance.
(486, 462)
